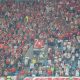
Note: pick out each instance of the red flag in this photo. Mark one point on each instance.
(38, 44)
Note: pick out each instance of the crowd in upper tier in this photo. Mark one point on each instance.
(57, 22)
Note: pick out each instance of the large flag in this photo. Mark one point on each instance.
(38, 44)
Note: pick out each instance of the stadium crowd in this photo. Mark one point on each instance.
(57, 22)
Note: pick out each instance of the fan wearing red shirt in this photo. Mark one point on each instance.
(49, 72)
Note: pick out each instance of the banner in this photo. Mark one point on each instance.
(52, 78)
(40, 78)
